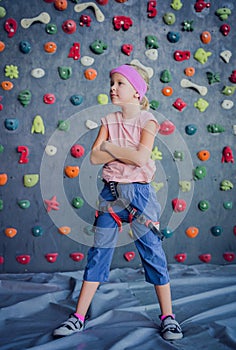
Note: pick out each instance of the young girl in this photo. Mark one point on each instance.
(124, 145)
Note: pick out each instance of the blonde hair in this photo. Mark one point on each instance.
(144, 102)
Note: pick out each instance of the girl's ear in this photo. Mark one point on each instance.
(136, 94)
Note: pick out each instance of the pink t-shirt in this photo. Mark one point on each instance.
(127, 133)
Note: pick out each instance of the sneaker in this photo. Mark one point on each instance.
(170, 329)
(72, 325)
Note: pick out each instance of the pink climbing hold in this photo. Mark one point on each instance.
(178, 205)
(52, 204)
(166, 128)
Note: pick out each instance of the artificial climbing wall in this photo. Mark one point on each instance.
(55, 58)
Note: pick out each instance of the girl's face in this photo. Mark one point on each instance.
(121, 91)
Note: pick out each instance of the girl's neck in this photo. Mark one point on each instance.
(130, 111)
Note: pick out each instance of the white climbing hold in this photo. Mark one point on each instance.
(50, 150)
(227, 104)
(44, 17)
(185, 83)
(152, 54)
(139, 64)
(91, 125)
(226, 55)
(87, 61)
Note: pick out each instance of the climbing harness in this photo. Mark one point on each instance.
(133, 212)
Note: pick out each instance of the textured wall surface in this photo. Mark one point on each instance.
(47, 209)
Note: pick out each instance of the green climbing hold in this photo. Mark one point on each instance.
(25, 97)
(203, 205)
(199, 173)
(154, 104)
(64, 125)
(77, 202)
(165, 76)
(24, 203)
(65, 72)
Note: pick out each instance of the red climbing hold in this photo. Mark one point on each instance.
(23, 259)
(166, 128)
(206, 258)
(178, 205)
(227, 155)
(51, 257)
(151, 8)
(181, 257)
(229, 256)
(77, 256)
(10, 27)
(122, 22)
(129, 256)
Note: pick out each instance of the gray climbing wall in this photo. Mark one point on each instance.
(49, 189)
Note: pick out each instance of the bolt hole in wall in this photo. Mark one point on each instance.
(54, 89)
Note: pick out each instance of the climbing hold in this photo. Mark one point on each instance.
(154, 104)
(69, 26)
(50, 47)
(24, 154)
(167, 91)
(98, 13)
(65, 72)
(37, 231)
(228, 205)
(25, 97)
(188, 26)
(179, 205)
(203, 205)
(38, 125)
(201, 55)
(77, 256)
(157, 185)
(11, 71)
(61, 5)
(226, 55)
(229, 90)
(51, 257)
(179, 104)
(11, 124)
(2, 46)
(232, 77)
(203, 155)
(1, 260)
(31, 180)
(151, 42)
(166, 128)
(127, 49)
(85, 21)
(129, 256)
(185, 185)
(10, 27)
(43, 17)
(38, 73)
(98, 46)
(90, 124)
(50, 150)
(181, 257)
(167, 232)
(3, 179)
(77, 151)
(149, 70)
(178, 155)
(189, 71)
(165, 76)
(206, 258)
(102, 99)
(156, 154)
(215, 128)
(90, 74)
(201, 104)
(151, 8)
(200, 5)
(76, 100)
(51, 204)
(225, 29)
(213, 77)
(10, 232)
(72, 171)
(192, 231)
(49, 99)
(176, 4)
(216, 230)
(1, 148)
(24, 203)
(3, 12)
(77, 202)
(185, 83)
(223, 13)
(169, 18)
(75, 51)
(23, 259)
(227, 155)
(152, 54)
(205, 37)
(51, 28)
(122, 22)
(173, 37)
(229, 256)
(227, 104)
(89, 230)
(226, 185)
(64, 125)
(87, 60)
(182, 55)
(190, 129)
(199, 172)
(25, 47)
(7, 85)
(64, 230)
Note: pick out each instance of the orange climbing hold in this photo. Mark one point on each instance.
(3, 179)
(167, 91)
(10, 232)
(203, 155)
(50, 47)
(206, 37)
(90, 74)
(72, 171)
(61, 5)
(192, 232)
(189, 71)
(7, 85)
(64, 230)
(2, 46)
